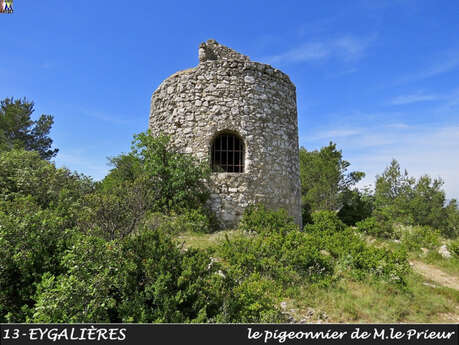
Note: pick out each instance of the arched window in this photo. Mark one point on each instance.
(227, 153)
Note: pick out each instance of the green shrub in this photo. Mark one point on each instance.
(252, 301)
(371, 226)
(154, 177)
(284, 258)
(199, 220)
(357, 205)
(274, 248)
(25, 174)
(31, 243)
(417, 237)
(382, 263)
(453, 247)
(259, 219)
(327, 222)
(176, 180)
(142, 278)
(195, 221)
(353, 255)
(87, 290)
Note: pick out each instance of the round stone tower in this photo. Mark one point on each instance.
(241, 117)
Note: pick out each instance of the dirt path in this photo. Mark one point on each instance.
(432, 273)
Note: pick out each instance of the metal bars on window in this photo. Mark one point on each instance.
(227, 153)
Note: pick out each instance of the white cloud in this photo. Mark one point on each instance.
(431, 150)
(346, 47)
(413, 98)
(335, 133)
(398, 125)
(441, 66)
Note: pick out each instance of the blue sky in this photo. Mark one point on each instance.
(379, 78)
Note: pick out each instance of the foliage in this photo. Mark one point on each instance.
(18, 130)
(24, 173)
(196, 221)
(357, 205)
(146, 278)
(177, 181)
(326, 247)
(153, 177)
(276, 249)
(31, 243)
(116, 213)
(403, 199)
(417, 237)
(324, 179)
(451, 229)
(257, 218)
(142, 278)
(38, 206)
(374, 227)
(252, 301)
(352, 254)
(453, 247)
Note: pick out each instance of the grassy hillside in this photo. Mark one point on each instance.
(425, 298)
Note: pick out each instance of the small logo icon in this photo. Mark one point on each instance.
(6, 6)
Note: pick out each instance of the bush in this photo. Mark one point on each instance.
(154, 177)
(417, 237)
(409, 201)
(257, 218)
(327, 222)
(24, 174)
(176, 180)
(352, 254)
(371, 226)
(284, 258)
(142, 278)
(31, 243)
(357, 206)
(453, 247)
(451, 228)
(39, 207)
(275, 248)
(252, 301)
(199, 220)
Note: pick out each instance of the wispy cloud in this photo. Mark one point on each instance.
(414, 98)
(426, 149)
(447, 63)
(399, 125)
(335, 133)
(347, 47)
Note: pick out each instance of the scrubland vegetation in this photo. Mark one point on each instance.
(142, 246)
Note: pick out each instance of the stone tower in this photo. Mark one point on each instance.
(241, 116)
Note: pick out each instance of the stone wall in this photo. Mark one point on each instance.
(227, 92)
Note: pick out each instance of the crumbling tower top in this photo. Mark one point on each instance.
(212, 50)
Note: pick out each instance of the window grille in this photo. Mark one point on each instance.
(227, 153)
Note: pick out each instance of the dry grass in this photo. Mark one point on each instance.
(204, 241)
(349, 301)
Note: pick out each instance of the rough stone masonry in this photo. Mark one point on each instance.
(226, 95)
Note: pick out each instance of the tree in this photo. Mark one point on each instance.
(18, 130)
(422, 201)
(393, 192)
(357, 205)
(324, 178)
(153, 177)
(39, 207)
